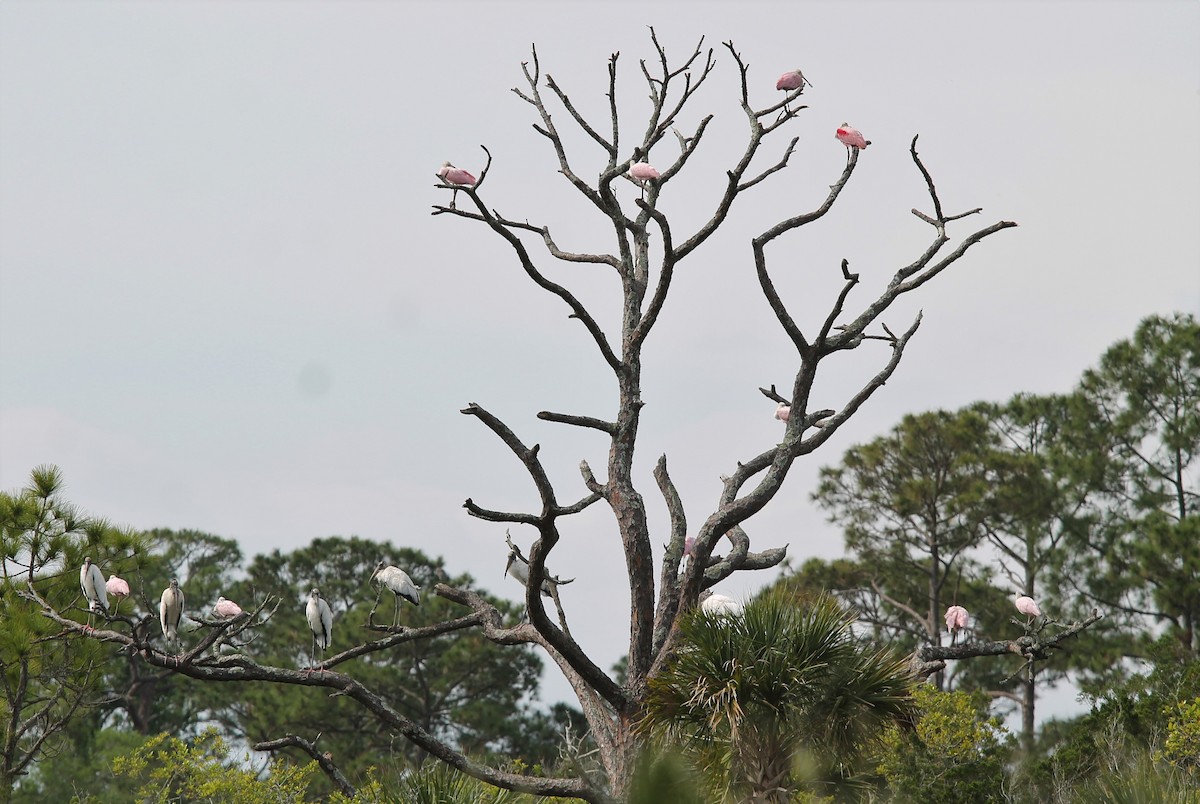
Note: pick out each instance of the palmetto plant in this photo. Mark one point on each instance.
(778, 699)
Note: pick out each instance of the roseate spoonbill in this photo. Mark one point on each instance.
(956, 620)
(455, 177)
(118, 588)
(851, 137)
(401, 586)
(320, 622)
(226, 609)
(689, 546)
(792, 80)
(716, 603)
(170, 610)
(1027, 606)
(643, 172)
(518, 567)
(783, 412)
(91, 581)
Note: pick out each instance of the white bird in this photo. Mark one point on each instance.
(1027, 606)
(91, 581)
(717, 603)
(783, 412)
(170, 610)
(226, 609)
(397, 580)
(957, 619)
(320, 622)
(118, 588)
(518, 567)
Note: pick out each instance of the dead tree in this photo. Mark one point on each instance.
(646, 250)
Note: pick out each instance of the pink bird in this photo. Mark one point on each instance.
(455, 177)
(783, 412)
(956, 620)
(452, 175)
(1027, 606)
(792, 80)
(643, 172)
(689, 546)
(226, 609)
(851, 137)
(118, 588)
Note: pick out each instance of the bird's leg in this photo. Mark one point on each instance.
(396, 616)
(454, 198)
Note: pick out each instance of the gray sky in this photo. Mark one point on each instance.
(224, 306)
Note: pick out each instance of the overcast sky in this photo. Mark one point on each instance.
(224, 305)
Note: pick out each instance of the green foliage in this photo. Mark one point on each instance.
(955, 755)
(1182, 744)
(1138, 779)
(749, 696)
(169, 769)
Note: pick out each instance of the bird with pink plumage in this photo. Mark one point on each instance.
(957, 619)
(1027, 606)
(457, 176)
(791, 81)
(851, 137)
(118, 588)
(783, 412)
(226, 609)
(643, 173)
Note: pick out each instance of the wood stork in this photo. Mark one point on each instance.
(320, 622)
(956, 620)
(226, 609)
(717, 603)
(170, 610)
(397, 581)
(118, 588)
(518, 567)
(91, 581)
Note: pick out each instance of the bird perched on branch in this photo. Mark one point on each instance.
(792, 80)
(226, 609)
(401, 586)
(455, 177)
(170, 610)
(118, 588)
(643, 173)
(1027, 606)
(783, 412)
(851, 137)
(320, 622)
(956, 620)
(91, 581)
(518, 567)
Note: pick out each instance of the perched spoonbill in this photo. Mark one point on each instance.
(118, 588)
(783, 412)
(320, 622)
(170, 610)
(91, 581)
(643, 172)
(956, 620)
(792, 80)
(1027, 606)
(716, 603)
(397, 581)
(851, 137)
(226, 609)
(689, 546)
(455, 177)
